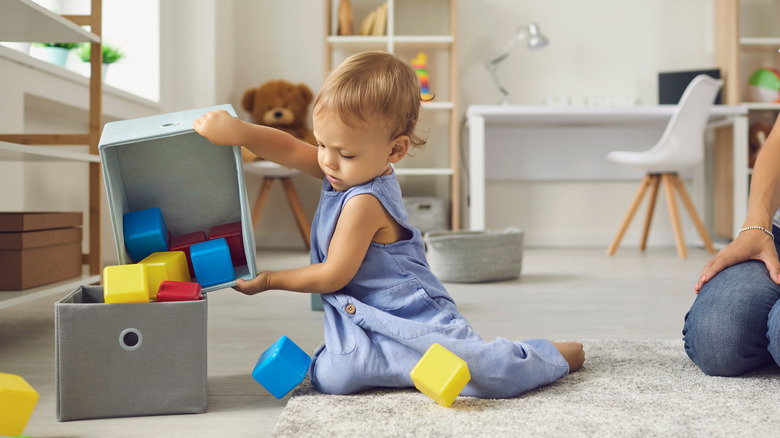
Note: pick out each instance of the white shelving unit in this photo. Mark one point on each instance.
(440, 159)
(26, 21)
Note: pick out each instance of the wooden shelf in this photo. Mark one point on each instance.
(760, 106)
(759, 43)
(438, 105)
(18, 152)
(444, 43)
(428, 42)
(15, 298)
(27, 21)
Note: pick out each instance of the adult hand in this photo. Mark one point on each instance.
(256, 285)
(749, 245)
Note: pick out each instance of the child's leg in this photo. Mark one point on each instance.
(725, 331)
(502, 368)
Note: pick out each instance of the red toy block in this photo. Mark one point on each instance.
(178, 291)
(235, 240)
(183, 243)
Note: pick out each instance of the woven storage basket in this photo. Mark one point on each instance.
(475, 256)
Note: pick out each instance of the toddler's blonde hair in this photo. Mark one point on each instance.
(371, 85)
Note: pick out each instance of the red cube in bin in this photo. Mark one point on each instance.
(235, 240)
(184, 242)
(178, 291)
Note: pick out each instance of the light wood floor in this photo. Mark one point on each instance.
(562, 295)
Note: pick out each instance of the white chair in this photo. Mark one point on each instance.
(680, 147)
(270, 172)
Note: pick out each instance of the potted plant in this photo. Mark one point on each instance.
(55, 53)
(111, 54)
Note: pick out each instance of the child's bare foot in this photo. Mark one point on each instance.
(572, 352)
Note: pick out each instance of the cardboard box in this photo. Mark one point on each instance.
(39, 248)
(122, 360)
(162, 162)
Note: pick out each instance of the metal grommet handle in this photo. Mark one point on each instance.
(130, 339)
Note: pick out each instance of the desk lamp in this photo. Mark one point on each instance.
(536, 41)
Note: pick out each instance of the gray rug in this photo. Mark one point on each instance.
(625, 389)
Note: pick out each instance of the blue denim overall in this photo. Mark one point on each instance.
(395, 308)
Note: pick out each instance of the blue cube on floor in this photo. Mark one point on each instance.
(281, 367)
(211, 262)
(144, 233)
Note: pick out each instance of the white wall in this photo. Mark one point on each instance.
(598, 48)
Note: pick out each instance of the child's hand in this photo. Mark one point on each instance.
(572, 352)
(219, 127)
(255, 285)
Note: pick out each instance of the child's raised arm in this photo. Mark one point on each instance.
(222, 129)
(362, 218)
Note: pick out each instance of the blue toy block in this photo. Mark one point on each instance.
(281, 367)
(145, 233)
(211, 262)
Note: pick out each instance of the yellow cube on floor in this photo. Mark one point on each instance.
(165, 266)
(441, 375)
(17, 401)
(125, 284)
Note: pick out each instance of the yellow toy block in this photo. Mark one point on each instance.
(125, 284)
(441, 375)
(17, 401)
(165, 266)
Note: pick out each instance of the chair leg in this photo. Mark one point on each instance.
(262, 196)
(655, 181)
(686, 200)
(630, 215)
(295, 205)
(674, 214)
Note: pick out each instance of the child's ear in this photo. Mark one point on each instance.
(399, 149)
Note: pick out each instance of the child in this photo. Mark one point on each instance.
(383, 306)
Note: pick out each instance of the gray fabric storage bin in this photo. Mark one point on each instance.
(122, 360)
(475, 256)
(160, 161)
(427, 213)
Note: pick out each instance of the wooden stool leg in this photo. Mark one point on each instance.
(686, 199)
(655, 181)
(262, 196)
(295, 205)
(631, 211)
(674, 214)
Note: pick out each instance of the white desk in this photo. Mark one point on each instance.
(563, 119)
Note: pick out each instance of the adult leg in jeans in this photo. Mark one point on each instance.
(773, 334)
(725, 331)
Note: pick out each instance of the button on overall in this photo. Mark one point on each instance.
(350, 309)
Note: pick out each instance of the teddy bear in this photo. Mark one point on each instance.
(282, 105)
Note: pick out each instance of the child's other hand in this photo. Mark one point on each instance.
(572, 352)
(219, 127)
(255, 285)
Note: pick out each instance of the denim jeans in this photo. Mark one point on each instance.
(734, 324)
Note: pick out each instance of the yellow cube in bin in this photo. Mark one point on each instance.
(165, 266)
(441, 375)
(17, 401)
(126, 284)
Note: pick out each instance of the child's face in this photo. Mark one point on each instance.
(350, 156)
